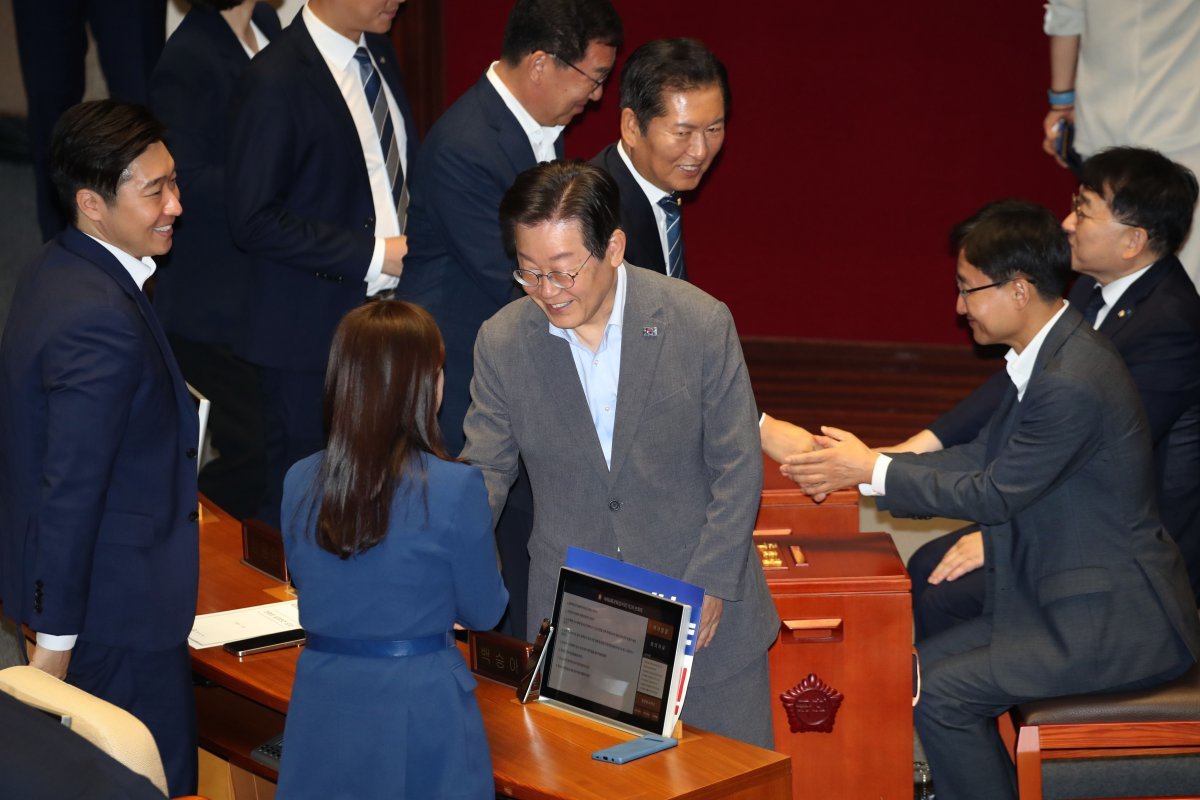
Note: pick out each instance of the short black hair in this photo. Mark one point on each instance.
(1145, 189)
(93, 145)
(563, 28)
(557, 191)
(668, 65)
(1012, 238)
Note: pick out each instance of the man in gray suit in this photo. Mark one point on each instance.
(1086, 591)
(627, 397)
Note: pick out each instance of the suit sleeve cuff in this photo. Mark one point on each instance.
(49, 641)
(876, 488)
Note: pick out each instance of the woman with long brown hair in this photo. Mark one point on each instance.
(390, 543)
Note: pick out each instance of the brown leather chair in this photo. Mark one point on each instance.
(1163, 721)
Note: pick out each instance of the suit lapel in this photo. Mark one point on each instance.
(639, 360)
(568, 400)
(1119, 315)
(637, 217)
(512, 139)
(83, 246)
(326, 90)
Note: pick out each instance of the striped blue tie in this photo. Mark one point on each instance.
(676, 267)
(377, 102)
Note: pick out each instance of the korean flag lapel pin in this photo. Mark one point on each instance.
(650, 331)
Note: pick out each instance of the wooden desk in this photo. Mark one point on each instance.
(537, 753)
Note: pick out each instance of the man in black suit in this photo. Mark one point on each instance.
(317, 196)
(674, 101)
(1131, 215)
(98, 436)
(1086, 592)
(201, 290)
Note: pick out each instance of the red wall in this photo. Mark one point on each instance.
(860, 133)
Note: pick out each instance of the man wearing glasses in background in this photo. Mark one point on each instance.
(626, 395)
(555, 58)
(1086, 592)
(1130, 217)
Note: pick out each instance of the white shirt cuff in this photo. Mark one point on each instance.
(762, 418)
(878, 478)
(375, 268)
(50, 641)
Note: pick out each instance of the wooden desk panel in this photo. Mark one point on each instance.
(538, 753)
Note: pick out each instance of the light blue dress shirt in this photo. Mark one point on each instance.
(600, 372)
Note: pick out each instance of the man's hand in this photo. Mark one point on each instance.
(710, 618)
(782, 439)
(1050, 129)
(53, 662)
(843, 461)
(395, 248)
(965, 556)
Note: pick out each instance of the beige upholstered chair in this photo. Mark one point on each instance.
(114, 730)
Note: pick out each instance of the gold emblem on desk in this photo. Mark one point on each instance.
(811, 705)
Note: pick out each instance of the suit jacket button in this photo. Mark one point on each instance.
(193, 516)
(37, 606)
(614, 505)
(38, 583)
(191, 452)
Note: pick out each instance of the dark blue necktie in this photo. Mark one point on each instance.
(377, 102)
(676, 267)
(1094, 304)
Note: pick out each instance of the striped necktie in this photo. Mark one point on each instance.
(676, 268)
(377, 102)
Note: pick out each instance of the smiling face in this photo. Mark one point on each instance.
(990, 312)
(557, 246)
(352, 18)
(565, 89)
(141, 218)
(678, 147)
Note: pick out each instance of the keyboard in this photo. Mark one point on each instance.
(269, 752)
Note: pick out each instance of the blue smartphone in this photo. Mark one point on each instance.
(635, 748)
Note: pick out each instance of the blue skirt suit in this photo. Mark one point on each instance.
(392, 727)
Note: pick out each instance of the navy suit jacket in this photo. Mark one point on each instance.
(643, 246)
(98, 440)
(201, 284)
(456, 266)
(299, 197)
(1155, 326)
(1085, 588)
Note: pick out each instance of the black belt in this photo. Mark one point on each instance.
(380, 648)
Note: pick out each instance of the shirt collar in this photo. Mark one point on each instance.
(140, 269)
(1020, 366)
(616, 318)
(1113, 290)
(653, 193)
(333, 47)
(533, 129)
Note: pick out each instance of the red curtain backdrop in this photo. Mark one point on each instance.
(860, 132)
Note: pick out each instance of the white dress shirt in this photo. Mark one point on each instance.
(338, 52)
(260, 40)
(600, 372)
(1112, 291)
(653, 194)
(1020, 370)
(541, 137)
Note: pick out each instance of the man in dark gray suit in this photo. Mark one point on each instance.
(626, 394)
(1086, 591)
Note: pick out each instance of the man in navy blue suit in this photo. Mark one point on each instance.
(98, 437)
(556, 56)
(1131, 215)
(322, 139)
(674, 101)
